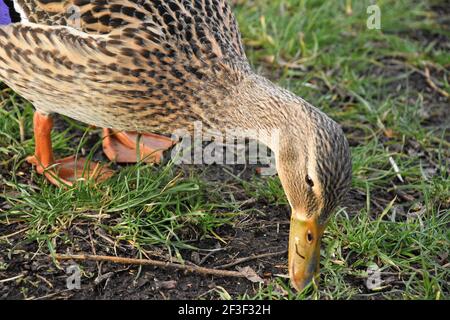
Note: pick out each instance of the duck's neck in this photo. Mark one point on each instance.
(259, 109)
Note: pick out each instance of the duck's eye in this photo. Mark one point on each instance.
(309, 236)
(309, 181)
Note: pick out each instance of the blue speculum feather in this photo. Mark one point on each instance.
(5, 17)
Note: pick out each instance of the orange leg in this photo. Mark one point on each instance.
(64, 171)
(121, 147)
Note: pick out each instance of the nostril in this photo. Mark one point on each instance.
(309, 236)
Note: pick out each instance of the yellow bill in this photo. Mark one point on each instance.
(304, 250)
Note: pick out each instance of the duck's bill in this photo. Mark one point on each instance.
(304, 251)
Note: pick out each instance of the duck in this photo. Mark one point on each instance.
(141, 69)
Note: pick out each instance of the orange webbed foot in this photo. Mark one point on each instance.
(122, 147)
(69, 170)
(64, 171)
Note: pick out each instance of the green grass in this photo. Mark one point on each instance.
(371, 81)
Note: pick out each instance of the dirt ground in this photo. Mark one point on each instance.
(41, 278)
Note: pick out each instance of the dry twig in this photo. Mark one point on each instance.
(149, 262)
(259, 256)
(433, 86)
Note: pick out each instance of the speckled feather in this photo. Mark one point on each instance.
(132, 65)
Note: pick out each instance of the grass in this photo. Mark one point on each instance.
(371, 81)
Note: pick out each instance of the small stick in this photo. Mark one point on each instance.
(430, 82)
(241, 260)
(149, 262)
(12, 278)
(13, 234)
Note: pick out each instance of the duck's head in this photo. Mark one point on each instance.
(312, 160)
(314, 166)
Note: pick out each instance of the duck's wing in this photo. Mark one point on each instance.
(176, 19)
(46, 63)
(199, 35)
(137, 54)
(90, 16)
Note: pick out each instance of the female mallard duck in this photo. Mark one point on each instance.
(158, 66)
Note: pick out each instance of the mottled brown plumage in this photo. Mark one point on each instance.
(136, 64)
(158, 66)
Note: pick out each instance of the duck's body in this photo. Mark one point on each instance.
(122, 65)
(159, 66)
